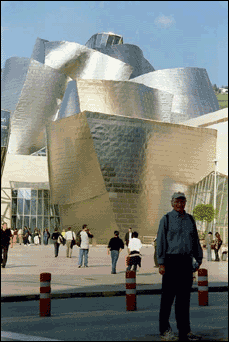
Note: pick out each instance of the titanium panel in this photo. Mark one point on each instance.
(130, 54)
(140, 162)
(192, 89)
(33, 105)
(5, 132)
(116, 97)
(74, 170)
(78, 61)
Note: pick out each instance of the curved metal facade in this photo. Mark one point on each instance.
(5, 133)
(116, 97)
(128, 164)
(191, 87)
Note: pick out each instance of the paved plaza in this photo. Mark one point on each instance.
(21, 277)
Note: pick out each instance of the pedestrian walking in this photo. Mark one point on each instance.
(155, 253)
(217, 245)
(57, 238)
(46, 236)
(134, 248)
(36, 237)
(128, 236)
(5, 242)
(85, 234)
(63, 233)
(26, 236)
(20, 236)
(12, 238)
(30, 236)
(69, 236)
(177, 244)
(209, 245)
(114, 247)
(15, 236)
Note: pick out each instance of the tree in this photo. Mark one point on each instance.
(204, 212)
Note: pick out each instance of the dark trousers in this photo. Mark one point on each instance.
(176, 283)
(4, 254)
(216, 255)
(56, 248)
(114, 259)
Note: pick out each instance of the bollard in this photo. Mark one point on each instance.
(45, 290)
(131, 304)
(203, 287)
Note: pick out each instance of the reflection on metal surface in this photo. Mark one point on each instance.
(5, 132)
(78, 61)
(99, 40)
(191, 87)
(30, 92)
(133, 164)
(116, 97)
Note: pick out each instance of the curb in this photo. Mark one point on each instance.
(23, 298)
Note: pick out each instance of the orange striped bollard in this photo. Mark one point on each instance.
(203, 287)
(131, 304)
(45, 290)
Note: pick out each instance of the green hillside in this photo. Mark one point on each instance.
(223, 100)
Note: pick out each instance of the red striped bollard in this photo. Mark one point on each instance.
(45, 290)
(131, 304)
(203, 287)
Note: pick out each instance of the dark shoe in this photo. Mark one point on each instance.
(85, 266)
(113, 272)
(169, 336)
(79, 266)
(3, 266)
(192, 337)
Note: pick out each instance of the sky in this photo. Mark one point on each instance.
(171, 34)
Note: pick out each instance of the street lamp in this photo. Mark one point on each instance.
(214, 222)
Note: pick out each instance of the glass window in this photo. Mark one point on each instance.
(39, 193)
(14, 193)
(33, 206)
(103, 40)
(52, 224)
(56, 208)
(46, 206)
(110, 40)
(20, 206)
(27, 194)
(33, 223)
(14, 206)
(14, 222)
(51, 210)
(46, 222)
(46, 193)
(57, 222)
(26, 207)
(39, 223)
(34, 193)
(21, 193)
(40, 207)
(26, 221)
(116, 40)
(19, 221)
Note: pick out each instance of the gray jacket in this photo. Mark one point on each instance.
(180, 237)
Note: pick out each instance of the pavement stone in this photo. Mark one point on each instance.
(20, 280)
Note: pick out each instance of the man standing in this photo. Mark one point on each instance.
(128, 236)
(5, 241)
(115, 246)
(69, 236)
(177, 245)
(85, 234)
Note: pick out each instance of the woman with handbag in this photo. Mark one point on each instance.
(218, 244)
(69, 237)
(56, 237)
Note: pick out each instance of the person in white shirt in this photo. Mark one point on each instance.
(84, 246)
(69, 235)
(134, 248)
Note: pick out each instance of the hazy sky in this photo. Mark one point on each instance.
(171, 34)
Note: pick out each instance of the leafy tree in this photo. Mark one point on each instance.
(204, 212)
